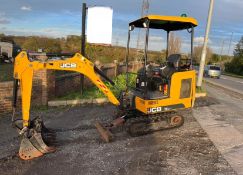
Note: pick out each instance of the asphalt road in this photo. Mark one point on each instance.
(228, 82)
(223, 122)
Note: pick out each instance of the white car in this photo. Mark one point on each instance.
(212, 71)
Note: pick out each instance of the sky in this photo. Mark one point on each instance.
(59, 18)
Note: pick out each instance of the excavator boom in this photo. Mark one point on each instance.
(23, 75)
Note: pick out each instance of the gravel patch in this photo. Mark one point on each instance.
(184, 150)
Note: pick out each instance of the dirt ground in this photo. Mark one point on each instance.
(184, 150)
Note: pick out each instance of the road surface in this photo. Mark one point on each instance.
(223, 121)
(228, 82)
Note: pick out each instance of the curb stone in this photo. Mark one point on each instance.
(77, 102)
(204, 94)
(224, 87)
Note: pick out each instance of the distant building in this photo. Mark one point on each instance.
(8, 51)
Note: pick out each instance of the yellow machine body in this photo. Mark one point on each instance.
(179, 97)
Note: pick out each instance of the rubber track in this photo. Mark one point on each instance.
(148, 120)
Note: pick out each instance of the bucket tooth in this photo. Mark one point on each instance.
(27, 151)
(105, 134)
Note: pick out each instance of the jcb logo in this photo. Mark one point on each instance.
(154, 110)
(68, 65)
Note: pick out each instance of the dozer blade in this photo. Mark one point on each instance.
(105, 134)
(27, 151)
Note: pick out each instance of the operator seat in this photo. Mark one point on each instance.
(173, 65)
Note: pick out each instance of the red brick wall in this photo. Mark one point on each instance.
(6, 94)
(43, 90)
(5, 97)
(67, 83)
(43, 87)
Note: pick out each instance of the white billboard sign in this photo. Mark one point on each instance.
(99, 25)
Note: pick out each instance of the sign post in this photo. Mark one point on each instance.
(83, 38)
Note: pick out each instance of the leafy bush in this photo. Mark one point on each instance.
(120, 83)
(235, 66)
(95, 92)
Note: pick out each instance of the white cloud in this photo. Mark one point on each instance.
(156, 38)
(200, 40)
(234, 1)
(3, 19)
(46, 32)
(26, 8)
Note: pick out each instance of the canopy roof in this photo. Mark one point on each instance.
(168, 23)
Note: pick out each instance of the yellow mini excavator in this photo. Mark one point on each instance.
(160, 90)
(151, 105)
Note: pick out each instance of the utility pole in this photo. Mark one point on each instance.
(204, 51)
(230, 42)
(222, 48)
(84, 12)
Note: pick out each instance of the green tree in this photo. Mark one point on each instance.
(238, 53)
(73, 43)
(47, 44)
(198, 52)
(236, 65)
(1, 35)
(174, 46)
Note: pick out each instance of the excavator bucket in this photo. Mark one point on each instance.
(27, 151)
(32, 144)
(105, 133)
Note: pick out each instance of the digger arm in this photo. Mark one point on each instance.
(24, 70)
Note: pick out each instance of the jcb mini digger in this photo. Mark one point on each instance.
(160, 90)
(152, 105)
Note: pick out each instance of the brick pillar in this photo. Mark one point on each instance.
(43, 85)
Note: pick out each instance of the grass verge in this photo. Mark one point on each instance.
(232, 75)
(88, 93)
